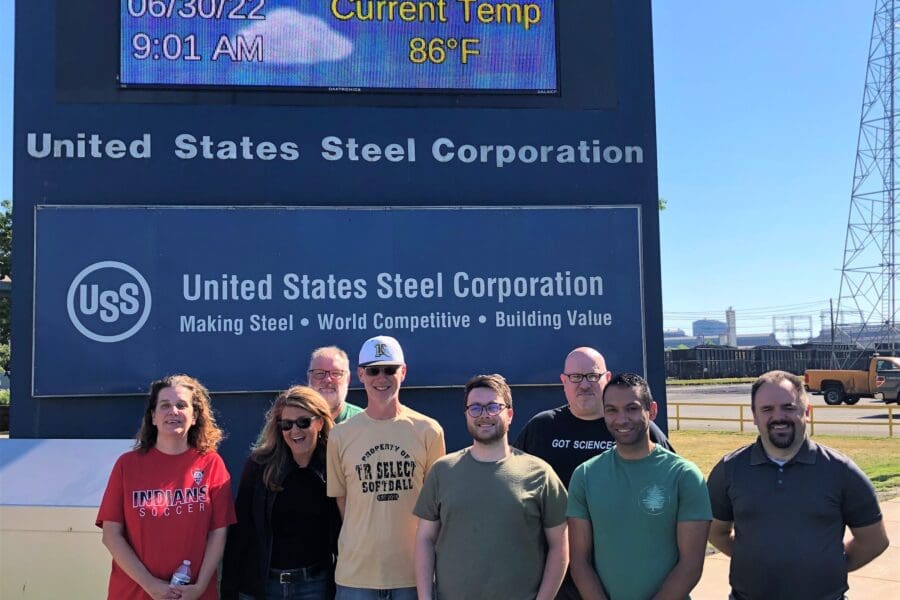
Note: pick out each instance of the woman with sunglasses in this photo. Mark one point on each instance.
(284, 542)
(169, 499)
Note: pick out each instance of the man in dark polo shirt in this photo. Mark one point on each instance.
(780, 505)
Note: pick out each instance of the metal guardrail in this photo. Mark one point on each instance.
(745, 415)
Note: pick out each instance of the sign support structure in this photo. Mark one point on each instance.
(492, 210)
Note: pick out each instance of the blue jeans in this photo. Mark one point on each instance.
(316, 587)
(349, 593)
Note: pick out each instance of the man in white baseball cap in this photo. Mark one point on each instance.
(377, 462)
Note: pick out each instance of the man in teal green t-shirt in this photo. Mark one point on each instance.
(638, 514)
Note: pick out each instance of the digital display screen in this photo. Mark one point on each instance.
(504, 46)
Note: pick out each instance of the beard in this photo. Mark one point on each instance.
(782, 439)
(488, 437)
(586, 404)
(331, 394)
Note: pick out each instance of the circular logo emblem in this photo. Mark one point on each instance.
(108, 301)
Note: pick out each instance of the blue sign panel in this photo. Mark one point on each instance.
(239, 297)
(476, 45)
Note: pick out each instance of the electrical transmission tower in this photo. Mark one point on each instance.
(867, 303)
(792, 329)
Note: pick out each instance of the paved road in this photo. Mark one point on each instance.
(873, 420)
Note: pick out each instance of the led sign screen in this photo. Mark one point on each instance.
(453, 45)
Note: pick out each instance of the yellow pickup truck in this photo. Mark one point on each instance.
(881, 381)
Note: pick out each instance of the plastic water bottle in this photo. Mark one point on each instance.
(182, 575)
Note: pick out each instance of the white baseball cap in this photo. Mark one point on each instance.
(381, 350)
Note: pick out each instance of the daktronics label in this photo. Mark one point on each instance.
(108, 301)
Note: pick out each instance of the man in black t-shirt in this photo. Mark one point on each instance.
(568, 435)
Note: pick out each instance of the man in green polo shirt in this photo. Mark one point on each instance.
(329, 374)
(638, 514)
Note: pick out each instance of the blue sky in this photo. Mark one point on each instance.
(757, 117)
(758, 110)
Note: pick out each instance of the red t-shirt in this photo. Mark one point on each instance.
(168, 505)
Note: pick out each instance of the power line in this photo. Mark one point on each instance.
(787, 309)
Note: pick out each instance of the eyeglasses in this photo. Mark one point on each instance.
(579, 377)
(300, 422)
(387, 370)
(492, 409)
(322, 374)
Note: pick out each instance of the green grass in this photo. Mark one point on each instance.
(723, 381)
(878, 457)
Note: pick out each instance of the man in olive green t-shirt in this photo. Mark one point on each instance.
(638, 514)
(492, 520)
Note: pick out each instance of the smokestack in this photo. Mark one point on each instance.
(732, 326)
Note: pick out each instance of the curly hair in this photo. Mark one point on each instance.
(270, 449)
(203, 436)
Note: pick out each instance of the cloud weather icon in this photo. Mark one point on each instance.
(291, 37)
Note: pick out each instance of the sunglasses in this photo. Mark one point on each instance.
(387, 370)
(300, 422)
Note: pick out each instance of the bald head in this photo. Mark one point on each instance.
(584, 355)
(585, 397)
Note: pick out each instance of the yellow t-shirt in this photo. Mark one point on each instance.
(379, 466)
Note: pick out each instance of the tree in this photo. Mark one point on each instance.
(5, 238)
(662, 204)
(5, 271)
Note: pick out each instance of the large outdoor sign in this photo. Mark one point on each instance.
(476, 45)
(171, 286)
(218, 187)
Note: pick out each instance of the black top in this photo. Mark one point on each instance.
(789, 521)
(299, 527)
(250, 550)
(565, 441)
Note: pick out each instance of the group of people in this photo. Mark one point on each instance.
(590, 501)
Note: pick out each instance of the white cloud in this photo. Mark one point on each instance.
(290, 37)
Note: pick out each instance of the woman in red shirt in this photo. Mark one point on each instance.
(169, 499)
